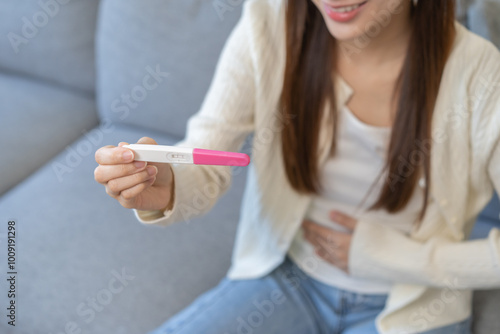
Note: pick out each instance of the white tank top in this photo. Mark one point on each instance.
(346, 179)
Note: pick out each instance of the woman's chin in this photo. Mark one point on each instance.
(344, 33)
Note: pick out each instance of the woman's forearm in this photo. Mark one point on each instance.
(381, 253)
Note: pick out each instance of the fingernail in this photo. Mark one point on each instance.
(152, 170)
(139, 164)
(127, 155)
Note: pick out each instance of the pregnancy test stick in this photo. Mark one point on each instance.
(185, 155)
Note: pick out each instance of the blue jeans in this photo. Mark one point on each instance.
(285, 301)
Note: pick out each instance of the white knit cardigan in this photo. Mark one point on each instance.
(433, 269)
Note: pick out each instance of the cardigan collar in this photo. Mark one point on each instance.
(446, 179)
(343, 94)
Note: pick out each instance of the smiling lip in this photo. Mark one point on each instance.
(343, 13)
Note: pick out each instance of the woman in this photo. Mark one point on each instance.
(376, 144)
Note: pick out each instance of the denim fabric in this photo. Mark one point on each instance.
(285, 301)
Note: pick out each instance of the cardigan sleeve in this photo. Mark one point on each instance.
(224, 120)
(380, 252)
(390, 255)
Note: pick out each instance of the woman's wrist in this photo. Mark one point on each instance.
(170, 204)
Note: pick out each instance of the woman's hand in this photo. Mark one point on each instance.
(134, 184)
(332, 246)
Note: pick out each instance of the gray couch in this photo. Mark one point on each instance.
(77, 75)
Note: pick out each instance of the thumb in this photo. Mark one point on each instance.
(147, 141)
(164, 175)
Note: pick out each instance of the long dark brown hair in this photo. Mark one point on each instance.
(308, 89)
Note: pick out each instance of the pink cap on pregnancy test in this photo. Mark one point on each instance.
(185, 155)
(219, 158)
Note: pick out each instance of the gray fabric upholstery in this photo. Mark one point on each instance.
(486, 311)
(492, 211)
(38, 120)
(483, 19)
(461, 10)
(487, 302)
(50, 39)
(488, 219)
(72, 236)
(134, 36)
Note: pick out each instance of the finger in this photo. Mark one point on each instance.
(105, 173)
(332, 258)
(122, 143)
(128, 195)
(110, 155)
(338, 262)
(317, 228)
(325, 255)
(102, 149)
(117, 186)
(147, 141)
(313, 236)
(332, 236)
(343, 219)
(315, 240)
(328, 245)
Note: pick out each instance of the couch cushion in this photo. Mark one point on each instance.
(180, 41)
(461, 10)
(489, 218)
(483, 19)
(38, 120)
(50, 39)
(492, 210)
(74, 239)
(485, 312)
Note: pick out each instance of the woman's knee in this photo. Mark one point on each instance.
(238, 306)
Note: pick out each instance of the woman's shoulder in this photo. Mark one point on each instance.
(267, 14)
(474, 53)
(265, 5)
(472, 69)
(264, 25)
(473, 83)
